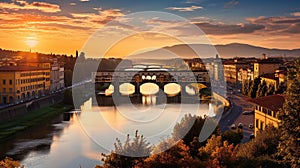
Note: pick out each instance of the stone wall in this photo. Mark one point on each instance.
(12, 112)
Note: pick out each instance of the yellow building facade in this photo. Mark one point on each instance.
(21, 83)
(266, 111)
(265, 66)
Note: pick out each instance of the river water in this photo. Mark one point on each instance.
(77, 138)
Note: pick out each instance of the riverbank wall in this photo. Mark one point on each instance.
(11, 112)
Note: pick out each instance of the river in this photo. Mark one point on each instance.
(77, 138)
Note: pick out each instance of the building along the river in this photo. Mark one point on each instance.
(21, 83)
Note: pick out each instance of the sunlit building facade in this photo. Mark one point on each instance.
(266, 111)
(21, 83)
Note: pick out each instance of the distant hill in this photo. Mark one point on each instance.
(206, 51)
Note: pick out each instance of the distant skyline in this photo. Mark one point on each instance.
(62, 27)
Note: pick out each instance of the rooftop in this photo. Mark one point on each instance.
(19, 68)
(269, 76)
(273, 102)
(269, 61)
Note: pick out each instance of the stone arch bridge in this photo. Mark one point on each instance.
(161, 77)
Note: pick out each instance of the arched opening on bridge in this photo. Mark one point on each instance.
(110, 90)
(149, 91)
(127, 89)
(172, 89)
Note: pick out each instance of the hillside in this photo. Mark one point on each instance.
(206, 51)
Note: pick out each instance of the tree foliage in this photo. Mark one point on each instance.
(271, 90)
(263, 145)
(219, 153)
(289, 146)
(262, 89)
(123, 154)
(10, 163)
(254, 87)
(233, 137)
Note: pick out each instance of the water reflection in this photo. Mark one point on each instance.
(149, 100)
(76, 139)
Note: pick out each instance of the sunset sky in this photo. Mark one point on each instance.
(64, 26)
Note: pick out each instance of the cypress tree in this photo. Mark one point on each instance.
(289, 146)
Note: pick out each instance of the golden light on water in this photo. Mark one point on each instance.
(31, 41)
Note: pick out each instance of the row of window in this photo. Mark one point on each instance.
(25, 88)
(4, 81)
(266, 111)
(34, 73)
(29, 80)
(4, 90)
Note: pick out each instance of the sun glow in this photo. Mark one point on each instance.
(31, 41)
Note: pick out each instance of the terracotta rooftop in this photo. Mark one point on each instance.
(19, 68)
(269, 76)
(273, 102)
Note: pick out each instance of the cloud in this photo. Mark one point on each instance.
(98, 9)
(279, 24)
(23, 5)
(295, 14)
(84, 0)
(194, 1)
(231, 4)
(185, 9)
(72, 3)
(224, 29)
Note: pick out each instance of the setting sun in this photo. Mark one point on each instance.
(31, 41)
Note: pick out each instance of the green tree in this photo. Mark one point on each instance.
(233, 137)
(271, 89)
(122, 156)
(246, 87)
(190, 127)
(263, 145)
(289, 146)
(281, 88)
(254, 87)
(262, 89)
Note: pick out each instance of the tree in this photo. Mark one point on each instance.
(233, 137)
(218, 153)
(246, 87)
(289, 146)
(176, 156)
(281, 88)
(262, 89)
(271, 89)
(123, 155)
(10, 163)
(254, 87)
(190, 127)
(263, 145)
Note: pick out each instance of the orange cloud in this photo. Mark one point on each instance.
(23, 5)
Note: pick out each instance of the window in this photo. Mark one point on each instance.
(261, 125)
(256, 123)
(10, 82)
(4, 90)
(4, 81)
(10, 90)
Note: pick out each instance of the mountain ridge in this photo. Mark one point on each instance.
(224, 50)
